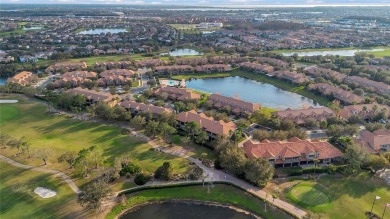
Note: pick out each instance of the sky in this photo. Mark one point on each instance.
(206, 2)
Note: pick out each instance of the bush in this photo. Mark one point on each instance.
(142, 179)
(130, 169)
(126, 131)
(217, 164)
(196, 173)
(296, 172)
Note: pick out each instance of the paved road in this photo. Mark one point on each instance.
(217, 175)
(44, 170)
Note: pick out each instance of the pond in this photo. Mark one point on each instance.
(32, 28)
(183, 210)
(252, 91)
(184, 52)
(103, 30)
(341, 52)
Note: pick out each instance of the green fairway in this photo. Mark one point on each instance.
(61, 134)
(308, 195)
(220, 193)
(18, 200)
(380, 54)
(349, 196)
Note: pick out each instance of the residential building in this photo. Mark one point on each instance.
(299, 116)
(93, 96)
(375, 142)
(191, 61)
(150, 62)
(173, 69)
(178, 93)
(113, 65)
(212, 68)
(237, 106)
(66, 67)
(23, 78)
(272, 61)
(257, 68)
(122, 72)
(292, 77)
(325, 73)
(208, 124)
(135, 108)
(294, 152)
(364, 111)
(338, 93)
(82, 74)
(378, 87)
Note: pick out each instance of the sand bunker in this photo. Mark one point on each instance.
(45, 193)
(9, 101)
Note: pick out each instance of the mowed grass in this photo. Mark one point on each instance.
(61, 134)
(308, 195)
(18, 200)
(380, 54)
(220, 193)
(349, 196)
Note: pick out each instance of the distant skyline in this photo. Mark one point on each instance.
(227, 3)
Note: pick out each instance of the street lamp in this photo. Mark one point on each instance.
(376, 197)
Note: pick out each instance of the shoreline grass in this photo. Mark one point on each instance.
(223, 194)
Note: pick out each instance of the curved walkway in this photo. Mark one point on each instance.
(217, 175)
(44, 170)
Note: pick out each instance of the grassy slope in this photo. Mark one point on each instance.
(18, 200)
(221, 193)
(61, 134)
(350, 196)
(262, 78)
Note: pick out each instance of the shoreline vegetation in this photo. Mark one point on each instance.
(223, 194)
(189, 202)
(260, 78)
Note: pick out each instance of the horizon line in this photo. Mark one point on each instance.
(211, 5)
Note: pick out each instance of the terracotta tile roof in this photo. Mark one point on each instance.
(257, 67)
(338, 93)
(351, 110)
(300, 115)
(375, 139)
(144, 107)
(376, 86)
(82, 74)
(67, 66)
(236, 105)
(180, 93)
(325, 73)
(207, 123)
(272, 61)
(213, 67)
(122, 72)
(22, 78)
(93, 95)
(291, 149)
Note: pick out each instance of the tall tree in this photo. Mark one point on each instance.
(258, 171)
(68, 157)
(192, 129)
(138, 122)
(164, 172)
(152, 129)
(94, 194)
(166, 130)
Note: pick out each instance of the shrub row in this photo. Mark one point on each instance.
(329, 169)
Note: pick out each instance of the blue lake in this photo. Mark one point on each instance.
(182, 210)
(103, 30)
(184, 52)
(252, 91)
